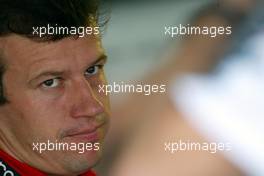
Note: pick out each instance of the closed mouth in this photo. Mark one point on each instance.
(90, 134)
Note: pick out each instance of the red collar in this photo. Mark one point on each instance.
(10, 164)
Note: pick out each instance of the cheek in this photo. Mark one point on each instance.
(30, 115)
(51, 111)
(44, 116)
(102, 97)
(32, 122)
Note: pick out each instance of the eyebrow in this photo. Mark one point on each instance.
(102, 58)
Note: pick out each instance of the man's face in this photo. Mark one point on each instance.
(52, 89)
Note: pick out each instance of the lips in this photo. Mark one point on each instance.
(87, 134)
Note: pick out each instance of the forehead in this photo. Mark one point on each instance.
(19, 51)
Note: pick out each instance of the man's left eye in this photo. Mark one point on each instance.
(92, 70)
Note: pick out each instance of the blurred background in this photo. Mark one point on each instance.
(213, 88)
(135, 39)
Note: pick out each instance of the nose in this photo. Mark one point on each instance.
(85, 100)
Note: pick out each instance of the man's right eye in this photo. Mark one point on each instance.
(51, 83)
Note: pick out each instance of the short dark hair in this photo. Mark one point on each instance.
(20, 16)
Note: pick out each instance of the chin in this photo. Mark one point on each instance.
(81, 162)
